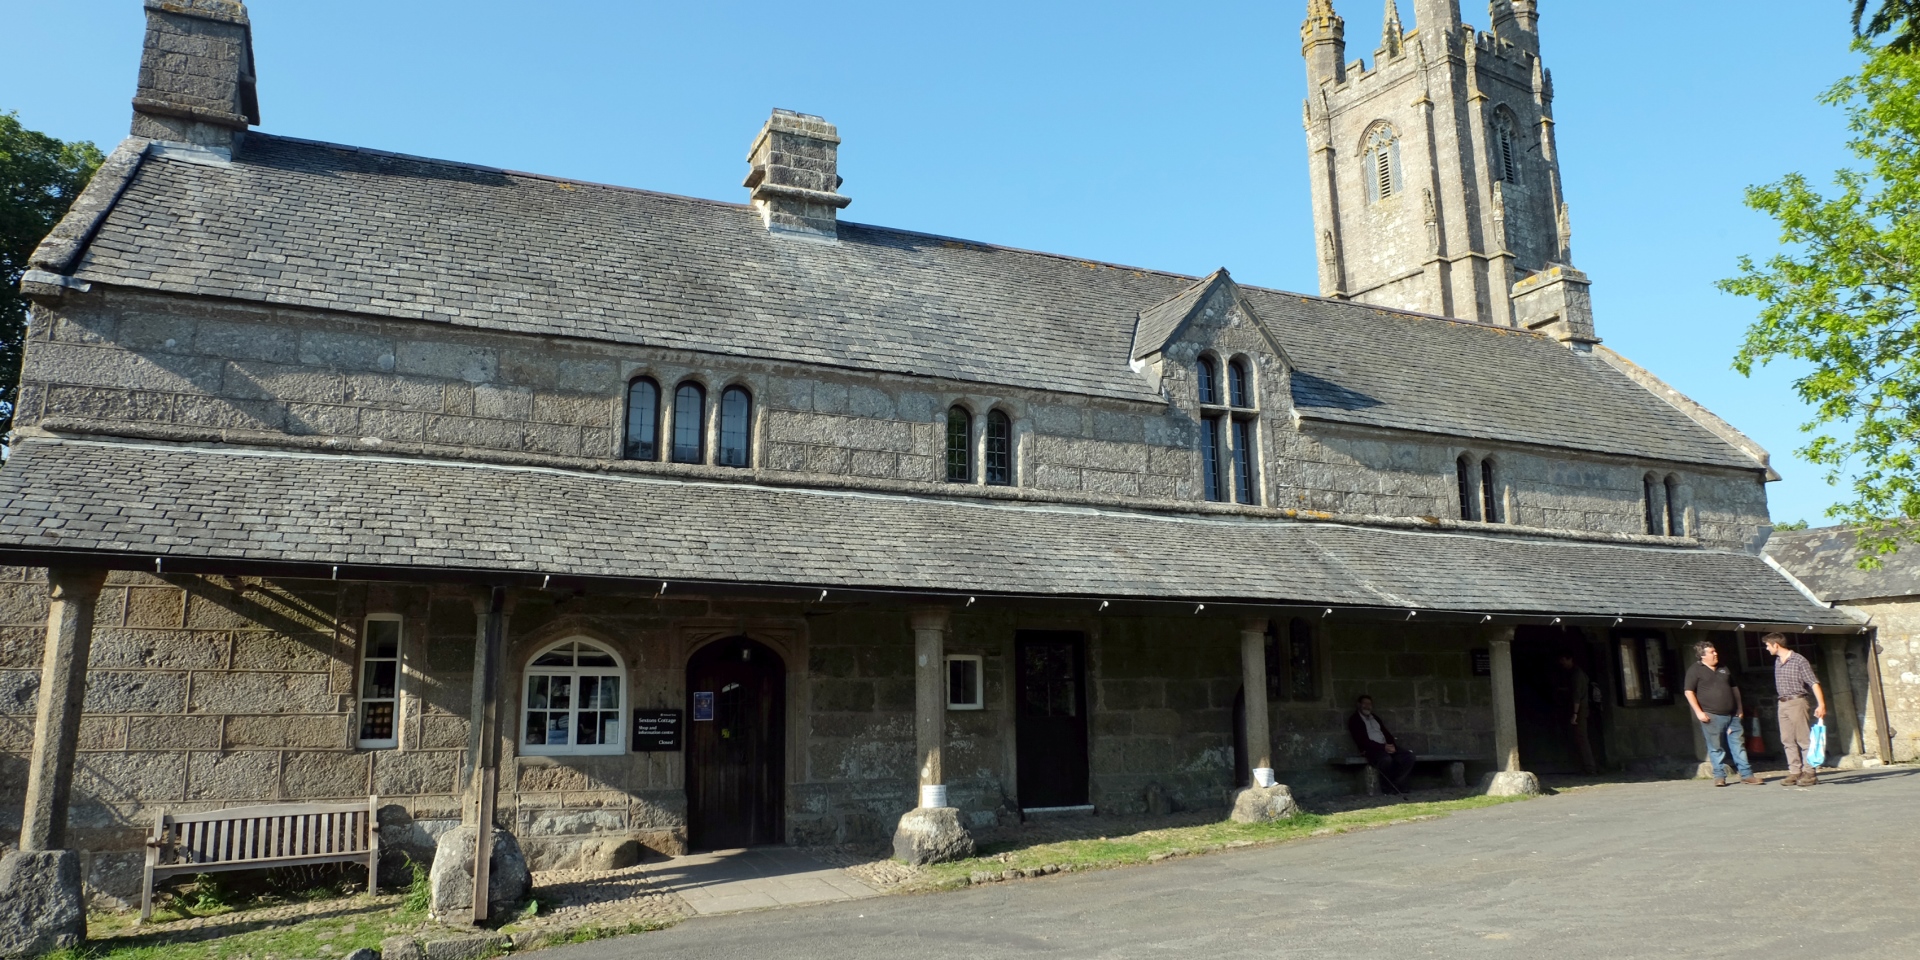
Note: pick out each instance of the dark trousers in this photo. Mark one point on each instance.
(1396, 768)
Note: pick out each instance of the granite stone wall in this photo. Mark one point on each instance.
(1898, 637)
(191, 369)
(1357, 470)
(212, 692)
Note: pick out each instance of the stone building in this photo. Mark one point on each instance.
(1886, 665)
(688, 522)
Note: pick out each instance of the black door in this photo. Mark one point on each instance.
(736, 761)
(1542, 691)
(1051, 719)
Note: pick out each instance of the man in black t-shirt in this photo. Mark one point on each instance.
(1715, 699)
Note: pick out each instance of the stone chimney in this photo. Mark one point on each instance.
(796, 175)
(1558, 302)
(196, 74)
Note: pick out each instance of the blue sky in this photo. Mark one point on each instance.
(1155, 134)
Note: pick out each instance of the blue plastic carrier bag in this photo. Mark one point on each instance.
(1817, 745)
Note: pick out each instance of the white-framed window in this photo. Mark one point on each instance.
(966, 687)
(575, 701)
(380, 645)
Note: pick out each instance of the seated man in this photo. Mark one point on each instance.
(1376, 743)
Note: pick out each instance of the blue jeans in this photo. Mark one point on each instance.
(1726, 734)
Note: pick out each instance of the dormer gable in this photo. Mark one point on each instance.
(1212, 316)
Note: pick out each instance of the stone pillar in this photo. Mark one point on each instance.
(931, 832)
(42, 901)
(478, 869)
(1253, 678)
(930, 702)
(63, 688)
(1844, 745)
(1507, 779)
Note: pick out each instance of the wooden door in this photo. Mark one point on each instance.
(1050, 718)
(1542, 691)
(736, 761)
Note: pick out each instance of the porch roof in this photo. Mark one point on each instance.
(134, 500)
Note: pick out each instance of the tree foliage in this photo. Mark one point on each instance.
(39, 179)
(1897, 17)
(1844, 296)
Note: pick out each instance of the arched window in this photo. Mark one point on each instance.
(1229, 434)
(1676, 514)
(1382, 163)
(1241, 441)
(999, 449)
(1469, 504)
(1649, 489)
(575, 700)
(1506, 160)
(1239, 385)
(643, 420)
(1209, 380)
(1490, 500)
(690, 423)
(959, 445)
(736, 427)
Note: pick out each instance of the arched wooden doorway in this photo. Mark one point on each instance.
(736, 745)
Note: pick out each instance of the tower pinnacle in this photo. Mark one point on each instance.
(1393, 35)
(1323, 41)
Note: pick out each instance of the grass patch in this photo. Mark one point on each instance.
(1146, 846)
(358, 922)
(592, 932)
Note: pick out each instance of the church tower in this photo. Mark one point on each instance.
(1436, 184)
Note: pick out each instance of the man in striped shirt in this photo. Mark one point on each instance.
(1794, 681)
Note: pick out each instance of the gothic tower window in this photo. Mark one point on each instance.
(1382, 163)
(1506, 159)
(643, 420)
(959, 445)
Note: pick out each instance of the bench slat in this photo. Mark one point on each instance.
(267, 810)
(251, 838)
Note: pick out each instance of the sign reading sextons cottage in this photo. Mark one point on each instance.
(656, 731)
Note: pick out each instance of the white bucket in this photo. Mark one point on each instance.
(1264, 776)
(934, 796)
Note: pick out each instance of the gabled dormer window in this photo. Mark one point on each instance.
(1229, 432)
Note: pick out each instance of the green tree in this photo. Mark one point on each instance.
(39, 179)
(1844, 296)
(1898, 17)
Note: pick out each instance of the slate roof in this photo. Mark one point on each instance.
(179, 501)
(317, 225)
(1827, 560)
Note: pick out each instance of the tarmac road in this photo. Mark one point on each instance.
(1638, 870)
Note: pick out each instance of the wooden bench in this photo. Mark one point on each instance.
(1370, 776)
(256, 838)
